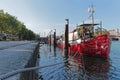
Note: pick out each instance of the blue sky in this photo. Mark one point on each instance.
(43, 15)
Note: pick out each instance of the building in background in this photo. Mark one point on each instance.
(115, 34)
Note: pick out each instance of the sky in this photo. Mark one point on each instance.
(42, 16)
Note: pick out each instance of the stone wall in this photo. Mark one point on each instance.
(31, 75)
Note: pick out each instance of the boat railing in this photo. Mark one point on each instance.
(101, 31)
(85, 32)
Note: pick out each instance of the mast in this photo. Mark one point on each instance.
(91, 11)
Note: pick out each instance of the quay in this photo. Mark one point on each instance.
(16, 55)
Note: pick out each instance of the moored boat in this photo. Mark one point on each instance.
(97, 44)
(88, 40)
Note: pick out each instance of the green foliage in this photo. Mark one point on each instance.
(101, 32)
(11, 25)
(80, 30)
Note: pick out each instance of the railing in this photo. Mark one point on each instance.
(10, 74)
(100, 30)
(14, 74)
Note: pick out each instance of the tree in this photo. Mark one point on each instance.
(11, 25)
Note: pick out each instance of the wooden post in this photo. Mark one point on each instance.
(66, 38)
(101, 26)
(55, 38)
(55, 42)
(50, 39)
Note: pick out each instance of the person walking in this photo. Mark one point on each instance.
(5, 36)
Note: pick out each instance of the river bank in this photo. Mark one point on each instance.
(16, 55)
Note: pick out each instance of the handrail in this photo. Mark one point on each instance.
(7, 75)
(10, 74)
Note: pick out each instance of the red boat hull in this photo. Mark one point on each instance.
(98, 46)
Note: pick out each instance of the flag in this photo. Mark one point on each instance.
(91, 10)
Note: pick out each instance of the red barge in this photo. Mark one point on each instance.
(98, 45)
(88, 40)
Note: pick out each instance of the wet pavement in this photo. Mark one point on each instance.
(15, 55)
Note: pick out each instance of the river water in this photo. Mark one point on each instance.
(78, 67)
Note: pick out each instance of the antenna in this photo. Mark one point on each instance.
(91, 11)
